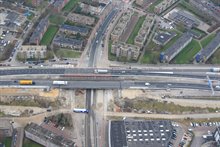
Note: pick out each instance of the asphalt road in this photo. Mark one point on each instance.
(99, 36)
(112, 85)
(191, 73)
(87, 119)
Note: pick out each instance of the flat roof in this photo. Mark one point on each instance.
(163, 37)
(141, 133)
(75, 28)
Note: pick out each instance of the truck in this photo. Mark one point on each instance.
(26, 82)
(214, 69)
(147, 84)
(103, 71)
(60, 82)
(78, 110)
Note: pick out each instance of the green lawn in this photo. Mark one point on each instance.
(67, 53)
(215, 58)
(187, 54)
(202, 33)
(7, 141)
(152, 52)
(207, 40)
(70, 5)
(152, 6)
(136, 30)
(30, 143)
(56, 19)
(49, 35)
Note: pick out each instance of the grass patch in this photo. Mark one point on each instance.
(136, 30)
(198, 31)
(56, 19)
(187, 54)
(150, 55)
(215, 58)
(30, 143)
(207, 40)
(67, 53)
(49, 35)
(152, 6)
(7, 141)
(111, 56)
(70, 5)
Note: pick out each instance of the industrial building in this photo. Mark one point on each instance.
(38, 33)
(121, 25)
(209, 50)
(172, 51)
(140, 133)
(184, 18)
(121, 49)
(46, 137)
(144, 30)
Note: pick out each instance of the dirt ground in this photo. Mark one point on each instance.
(157, 94)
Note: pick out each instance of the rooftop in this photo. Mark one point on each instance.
(164, 37)
(178, 44)
(141, 133)
(48, 135)
(70, 41)
(83, 30)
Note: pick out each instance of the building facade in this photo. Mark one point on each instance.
(58, 5)
(82, 19)
(144, 30)
(68, 43)
(74, 30)
(39, 32)
(46, 137)
(121, 25)
(163, 6)
(33, 51)
(121, 49)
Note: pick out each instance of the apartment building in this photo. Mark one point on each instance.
(74, 29)
(81, 19)
(139, 2)
(91, 7)
(46, 137)
(68, 42)
(171, 52)
(121, 25)
(36, 3)
(58, 5)
(209, 50)
(144, 30)
(39, 32)
(163, 6)
(33, 51)
(121, 49)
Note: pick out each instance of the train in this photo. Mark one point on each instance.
(26, 82)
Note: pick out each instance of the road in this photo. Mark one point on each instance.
(163, 116)
(110, 85)
(99, 36)
(191, 73)
(87, 119)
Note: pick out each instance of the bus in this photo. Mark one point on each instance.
(78, 110)
(26, 82)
